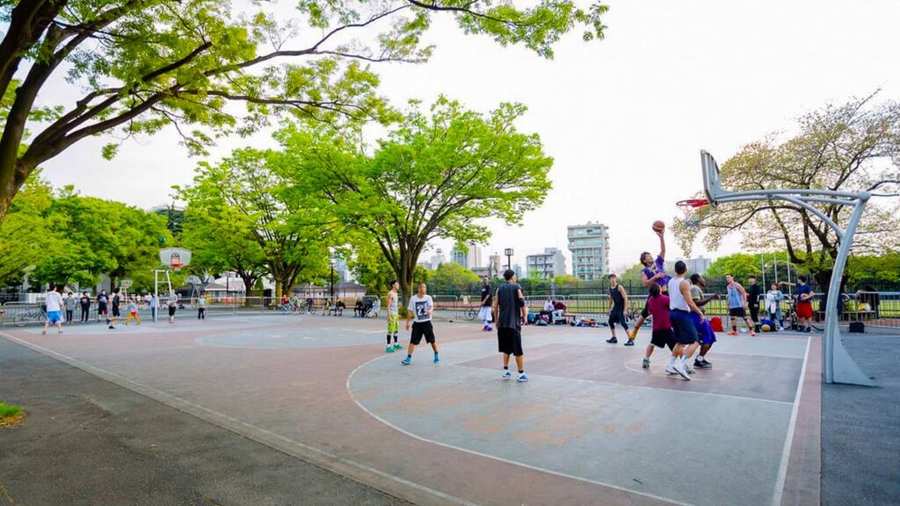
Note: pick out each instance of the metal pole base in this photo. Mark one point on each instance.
(844, 368)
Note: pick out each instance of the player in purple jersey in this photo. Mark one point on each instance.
(654, 272)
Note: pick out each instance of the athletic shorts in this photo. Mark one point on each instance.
(54, 316)
(509, 341)
(737, 312)
(484, 314)
(804, 310)
(662, 338)
(705, 332)
(393, 323)
(683, 327)
(420, 329)
(172, 310)
(101, 309)
(116, 311)
(617, 316)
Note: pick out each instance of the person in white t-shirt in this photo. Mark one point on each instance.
(54, 302)
(420, 307)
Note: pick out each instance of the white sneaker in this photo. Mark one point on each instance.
(506, 375)
(679, 368)
(522, 378)
(670, 369)
(689, 366)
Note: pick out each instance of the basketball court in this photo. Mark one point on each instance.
(591, 426)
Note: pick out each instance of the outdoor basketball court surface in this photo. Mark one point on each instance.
(591, 426)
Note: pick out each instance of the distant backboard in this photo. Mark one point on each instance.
(175, 258)
(711, 184)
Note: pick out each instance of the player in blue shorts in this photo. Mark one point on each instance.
(704, 329)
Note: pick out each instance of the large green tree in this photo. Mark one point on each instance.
(140, 65)
(435, 175)
(451, 277)
(66, 237)
(850, 147)
(248, 189)
(221, 238)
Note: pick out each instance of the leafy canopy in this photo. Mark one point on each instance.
(140, 65)
(850, 147)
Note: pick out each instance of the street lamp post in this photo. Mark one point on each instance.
(331, 278)
(509, 253)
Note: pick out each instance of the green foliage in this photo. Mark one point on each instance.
(436, 175)
(246, 194)
(739, 265)
(850, 147)
(452, 276)
(73, 239)
(8, 410)
(882, 268)
(146, 64)
(566, 280)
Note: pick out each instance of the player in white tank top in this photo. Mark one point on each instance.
(676, 298)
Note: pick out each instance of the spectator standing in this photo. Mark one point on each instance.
(70, 304)
(85, 306)
(54, 303)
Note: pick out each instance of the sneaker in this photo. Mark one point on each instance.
(689, 367)
(406, 361)
(629, 342)
(612, 340)
(752, 333)
(522, 378)
(631, 334)
(389, 349)
(111, 327)
(489, 328)
(397, 346)
(437, 359)
(645, 363)
(670, 369)
(506, 375)
(701, 364)
(732, 333)
(681, 371)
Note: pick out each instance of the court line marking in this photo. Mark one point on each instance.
(494, 457)
(789, 438)
(230, 423)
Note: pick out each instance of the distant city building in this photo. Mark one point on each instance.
(436, 260)
(589, 245)
(697, 265)
(460, 257)
(483, 272)
(341, 271)
(495, 264)
(470, 259)
(518, 270)
(547, 265)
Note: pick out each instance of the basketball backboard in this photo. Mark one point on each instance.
(711, 184)
(175, 258)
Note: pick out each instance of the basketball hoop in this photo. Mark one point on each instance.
(175, 258)
(692, 211)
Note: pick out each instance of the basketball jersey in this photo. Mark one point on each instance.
(393, 307)
(676, 299)
(734, 297)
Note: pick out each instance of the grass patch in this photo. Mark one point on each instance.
(10, 415)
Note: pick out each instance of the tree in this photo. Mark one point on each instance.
(566, 281)
(452, 277)
(850, 147)
(221, 238)
(26, 234)
(145, 64)
(435, 175)
(247, 189)
(68, 238)
(739, 265)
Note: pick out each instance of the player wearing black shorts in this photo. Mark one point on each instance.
(619, 299)
(116, 312)
(510, 313)
(421, 307)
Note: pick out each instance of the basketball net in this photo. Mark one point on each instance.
(693, 210)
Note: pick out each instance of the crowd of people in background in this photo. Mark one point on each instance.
(60, 306)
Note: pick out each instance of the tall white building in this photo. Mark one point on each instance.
(470, 259)
(589, 245)
(697, 265)
(495, 264)
(547, 265)
(437, 259)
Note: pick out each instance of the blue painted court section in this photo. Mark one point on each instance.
(590, 412)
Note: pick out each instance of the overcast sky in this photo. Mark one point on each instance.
(624, 118)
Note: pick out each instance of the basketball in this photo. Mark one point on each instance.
(766, 328)
(658, 226)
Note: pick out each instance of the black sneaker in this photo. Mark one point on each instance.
(612, 340)
(701, 364)
(629, 343)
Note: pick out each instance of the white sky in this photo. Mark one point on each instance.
(624, 118)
